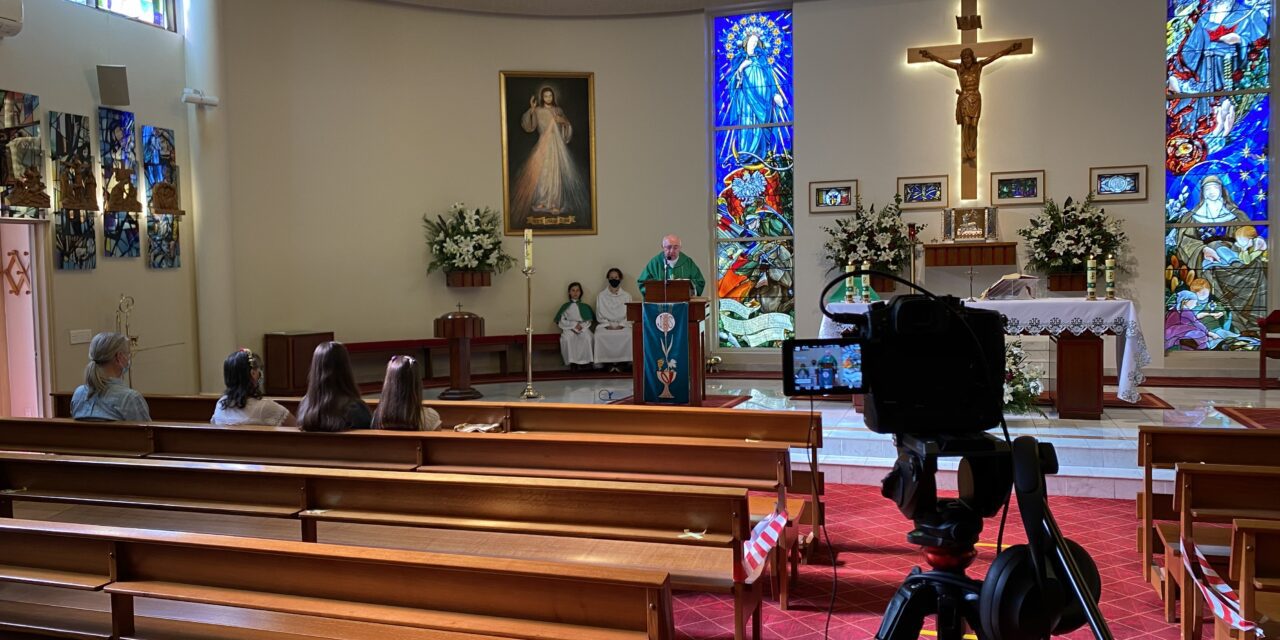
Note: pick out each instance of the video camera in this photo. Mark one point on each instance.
(933, 374)
(928, 365)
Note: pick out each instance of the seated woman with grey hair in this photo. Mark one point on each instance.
(104, 395)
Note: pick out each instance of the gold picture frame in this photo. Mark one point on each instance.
(540, 111)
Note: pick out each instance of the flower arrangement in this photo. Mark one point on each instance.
(879, 237)
(1062, 239)
(466, 240)
(1022, 384)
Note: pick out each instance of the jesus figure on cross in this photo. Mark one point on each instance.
(969, 99)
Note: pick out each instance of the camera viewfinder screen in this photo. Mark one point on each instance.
(825, 368)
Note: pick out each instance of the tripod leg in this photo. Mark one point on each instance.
(949, 620)
(905, 615)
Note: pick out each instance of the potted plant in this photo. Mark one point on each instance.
(1060, 241)
(1022, 386)
(467, 245)
(878, 237)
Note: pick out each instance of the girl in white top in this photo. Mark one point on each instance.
(574, 319)
(242, 402)
(400, 408)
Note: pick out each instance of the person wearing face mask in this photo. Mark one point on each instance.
(613, 333)
(574, 319)
(242, 402)
(104, 395)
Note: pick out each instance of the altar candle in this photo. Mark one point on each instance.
(1111, 276)
(866, 281)
(528, 248)
(849, 268)
(1091, 271)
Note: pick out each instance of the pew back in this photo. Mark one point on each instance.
(466, 594)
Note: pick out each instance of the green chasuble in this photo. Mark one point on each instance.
(685, 269)
(584, 310)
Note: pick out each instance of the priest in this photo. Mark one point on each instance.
(671, 264)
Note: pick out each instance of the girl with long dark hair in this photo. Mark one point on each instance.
(242, 402)
(332, 402)
(401, 407)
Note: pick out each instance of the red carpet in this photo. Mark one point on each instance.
(1253, 417)
(869, 537)
(1109, 399)
(711, 401)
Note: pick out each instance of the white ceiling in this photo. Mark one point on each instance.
(574, 8)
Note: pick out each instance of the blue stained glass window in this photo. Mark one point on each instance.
(753, 180)
(1216, 173)
(753, 62)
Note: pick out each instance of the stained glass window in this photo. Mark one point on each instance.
(157, 12)
(753, 179)
(1217, 131)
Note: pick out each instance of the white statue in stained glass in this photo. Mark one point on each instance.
(755, 96)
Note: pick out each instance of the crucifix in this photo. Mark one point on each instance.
(973, 56)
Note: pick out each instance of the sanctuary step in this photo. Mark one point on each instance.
(1096, 461)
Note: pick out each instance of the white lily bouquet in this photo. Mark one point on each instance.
(1022, 386)
(1062, 239)
(466, 240)
(878, 237)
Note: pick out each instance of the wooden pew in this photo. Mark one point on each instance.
(1212, 493)
(1255, 568)
(458, 597)
(796, 428)
(757, 466)
(695, 533)
(1162, 447)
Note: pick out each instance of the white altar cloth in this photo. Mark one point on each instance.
(1053, 316)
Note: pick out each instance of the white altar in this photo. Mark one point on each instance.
(1056, 317)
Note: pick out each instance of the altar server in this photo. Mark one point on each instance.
(613, 332)
(574, 319)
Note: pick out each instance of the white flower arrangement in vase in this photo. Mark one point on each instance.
(466, 240)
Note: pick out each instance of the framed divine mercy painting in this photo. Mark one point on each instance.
(548, 152)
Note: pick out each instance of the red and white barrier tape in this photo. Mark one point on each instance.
(764, 537)
(1222, 600)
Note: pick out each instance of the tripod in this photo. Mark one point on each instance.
(1046, 587)
(945, 592)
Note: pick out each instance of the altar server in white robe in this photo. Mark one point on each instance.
(613, 332)
(574, 319)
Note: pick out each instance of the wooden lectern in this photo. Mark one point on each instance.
(669, 291)
(459, 327)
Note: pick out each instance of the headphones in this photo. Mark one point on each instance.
(1025, 595)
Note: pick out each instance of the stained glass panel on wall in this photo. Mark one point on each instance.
(23, 189)
(73, 172)
(756, 292)
(753, 67)
(74, 240)
(1216, 173)
(753, 178)
(1217, 45)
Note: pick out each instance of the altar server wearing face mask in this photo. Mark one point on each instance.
(613, 333)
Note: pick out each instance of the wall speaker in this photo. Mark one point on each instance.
(113, 85)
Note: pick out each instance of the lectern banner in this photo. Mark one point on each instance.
(666, 347)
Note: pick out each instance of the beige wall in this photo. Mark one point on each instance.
(55, 57)
(343, 121)
(351, 119)
(862, 112)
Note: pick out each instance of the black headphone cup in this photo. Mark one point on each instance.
(1073, 615)
(1011, 605)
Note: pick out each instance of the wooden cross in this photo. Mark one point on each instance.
(969, 100)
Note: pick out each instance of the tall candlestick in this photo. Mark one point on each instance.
(849, 268)
(866, 281)
(528, 248)
(1091, 278)
(1111, 277)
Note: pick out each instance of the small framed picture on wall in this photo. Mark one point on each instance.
(1013, 188)
(925, 192)
(1119, 183)
(833, 196)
